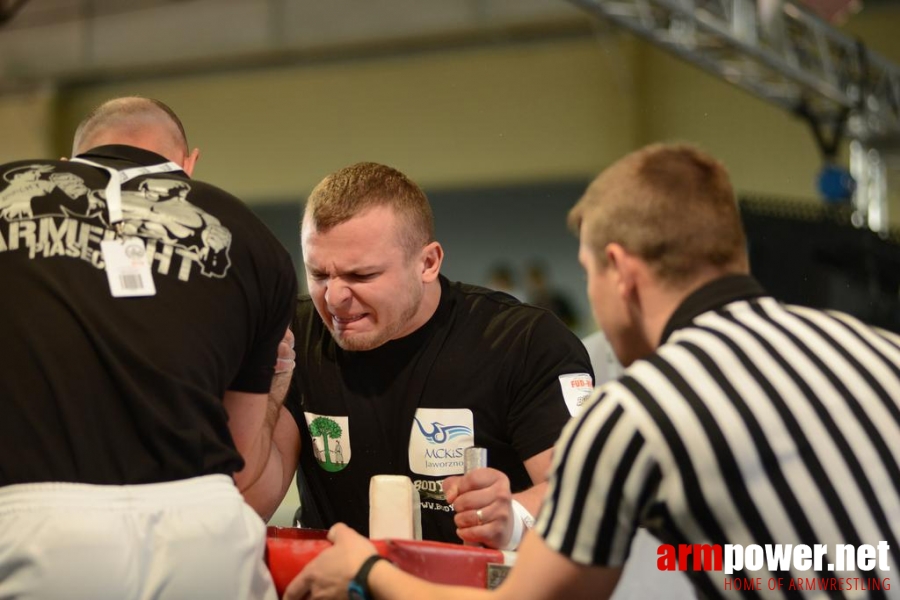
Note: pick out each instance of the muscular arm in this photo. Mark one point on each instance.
(251, 420)
(272, 445)
(538, 467)
(267, 492)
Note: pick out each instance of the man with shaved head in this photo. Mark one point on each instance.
(135, 121)
(143, 312)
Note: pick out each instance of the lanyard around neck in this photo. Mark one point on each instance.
(117, 178)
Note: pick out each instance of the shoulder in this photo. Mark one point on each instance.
(484, 316)
(22, 171)
(234, 214)
(467, 294)
(772, 323)
(609, 409)
(28, 164)
(214, 198)
(484, 304)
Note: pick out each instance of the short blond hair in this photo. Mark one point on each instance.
(352, 190)
(671, 205)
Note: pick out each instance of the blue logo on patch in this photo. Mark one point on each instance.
(441, 433)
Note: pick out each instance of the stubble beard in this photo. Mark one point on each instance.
(361, 342)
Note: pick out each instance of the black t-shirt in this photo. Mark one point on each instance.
(105, 390)
(485, 370)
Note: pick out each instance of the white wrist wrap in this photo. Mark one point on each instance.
(522, 520)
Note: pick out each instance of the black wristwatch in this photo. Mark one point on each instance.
(359, 585)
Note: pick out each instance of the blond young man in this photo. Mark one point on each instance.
(399, 370)
(738, 420)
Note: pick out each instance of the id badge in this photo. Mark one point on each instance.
(127, 268)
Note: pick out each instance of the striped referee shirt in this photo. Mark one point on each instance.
(753, 423)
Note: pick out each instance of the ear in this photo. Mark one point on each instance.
(190, 161)
(624, 268)
(432, 257)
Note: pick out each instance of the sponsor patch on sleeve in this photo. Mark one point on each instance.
(576, 389)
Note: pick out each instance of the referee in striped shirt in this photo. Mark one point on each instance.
(741, 425)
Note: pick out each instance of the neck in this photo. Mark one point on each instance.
(431, 298)
(141, 139)
(660, 300)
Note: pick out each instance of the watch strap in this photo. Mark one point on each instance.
(360, 582)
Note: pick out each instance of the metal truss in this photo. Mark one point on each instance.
(790, 58)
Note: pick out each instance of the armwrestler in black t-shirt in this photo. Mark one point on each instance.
(142, 310)
(399, 370)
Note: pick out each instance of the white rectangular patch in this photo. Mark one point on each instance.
(127, 269)
(576, 389)
(438, 441)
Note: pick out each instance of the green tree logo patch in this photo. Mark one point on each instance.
(331, 440)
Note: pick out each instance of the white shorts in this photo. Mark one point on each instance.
(191, 539)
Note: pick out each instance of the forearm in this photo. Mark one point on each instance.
(538, 467)
(253, 426)
(539, 574)
(387, 582)
(532, 498)
(267, 491)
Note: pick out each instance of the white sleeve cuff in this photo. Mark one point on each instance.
(522, 520)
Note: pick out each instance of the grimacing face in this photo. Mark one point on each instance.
(365, 287)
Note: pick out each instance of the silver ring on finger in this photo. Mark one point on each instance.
(480, 516)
